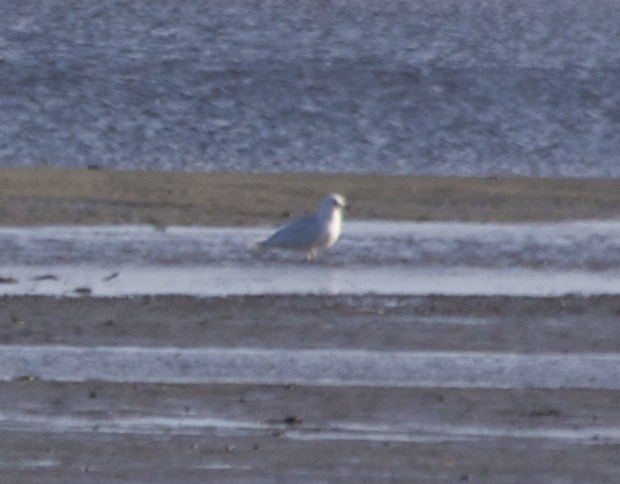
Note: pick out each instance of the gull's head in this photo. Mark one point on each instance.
(332, 202)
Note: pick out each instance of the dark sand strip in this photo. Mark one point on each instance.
(571, 324)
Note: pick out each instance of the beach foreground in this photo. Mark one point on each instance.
(309, 388)
(125, 427)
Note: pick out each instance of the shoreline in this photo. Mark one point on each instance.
(47, 196)
(140, 426)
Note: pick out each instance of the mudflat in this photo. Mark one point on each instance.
(55, 427)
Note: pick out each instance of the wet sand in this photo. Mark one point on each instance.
(58, 430)
(384, 323)
(55, 430)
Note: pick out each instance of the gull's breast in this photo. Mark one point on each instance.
(332, 232)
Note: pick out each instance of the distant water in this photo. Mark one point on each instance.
(447, 87)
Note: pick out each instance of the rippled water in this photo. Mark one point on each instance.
(420, 87)
(371, 257)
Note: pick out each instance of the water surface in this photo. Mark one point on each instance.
(415, 87)
(405, 258)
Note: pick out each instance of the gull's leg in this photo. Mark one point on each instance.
(311, 254)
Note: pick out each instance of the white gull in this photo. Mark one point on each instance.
(313, 232)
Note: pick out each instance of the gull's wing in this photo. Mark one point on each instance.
(300, 234)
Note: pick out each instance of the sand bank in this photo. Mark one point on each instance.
(60, 196)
